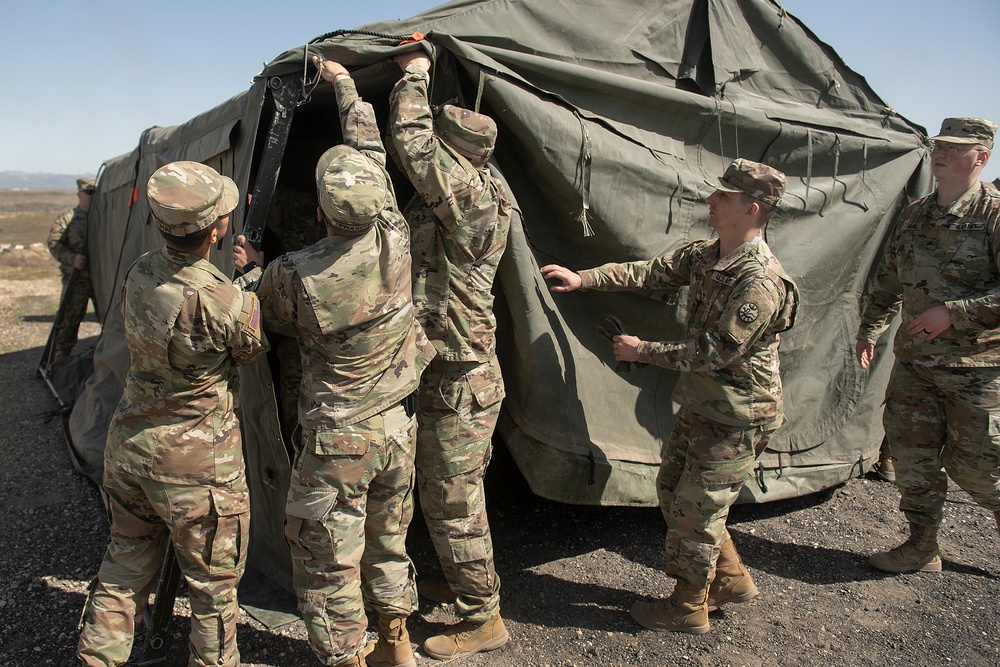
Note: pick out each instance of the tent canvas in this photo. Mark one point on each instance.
(611, 116)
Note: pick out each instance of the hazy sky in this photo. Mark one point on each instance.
(86, 78)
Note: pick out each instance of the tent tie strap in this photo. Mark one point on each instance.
(585, 167)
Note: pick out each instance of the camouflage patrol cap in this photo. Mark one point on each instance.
(351, 189)
(752, 178)
(186, 197)
(967, 131)
(82, 183)
(466, 130)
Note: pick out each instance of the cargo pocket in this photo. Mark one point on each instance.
(469, 550)
(307, 513)
(232, 509)
(337, 443)
(486, 384)
(709, 474)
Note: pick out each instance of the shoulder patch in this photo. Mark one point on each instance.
(747, 313)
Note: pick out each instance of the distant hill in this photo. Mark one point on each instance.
(24, 180)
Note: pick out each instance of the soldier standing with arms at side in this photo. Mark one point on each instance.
(347, 298)
(68, 244)
(729, 388)
(173, 465)
(942, 268)
(459, 219)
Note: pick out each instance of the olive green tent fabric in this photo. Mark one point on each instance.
(611, 116)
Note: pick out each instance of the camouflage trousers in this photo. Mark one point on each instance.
(75, 310)
(459, 406)
(349, 505)
(208, 526)
(943, 422)
(704, 466)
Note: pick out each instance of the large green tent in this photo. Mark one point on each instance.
(611, 116)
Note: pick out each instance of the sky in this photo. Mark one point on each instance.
(85, 79)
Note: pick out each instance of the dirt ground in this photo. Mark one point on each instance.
(569, 573)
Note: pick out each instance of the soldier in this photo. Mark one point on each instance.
(942, 268)
(348, 300)
(173, 466)
(459, 218)
(729, 388)
(68, 244)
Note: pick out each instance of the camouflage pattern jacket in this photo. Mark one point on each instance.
(68, 238)
(348, 300)
(185, 325)
(459, 219)
(948, 256)
(738, 305)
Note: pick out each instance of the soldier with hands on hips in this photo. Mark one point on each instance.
(729, 389)
(941, 270)
(68, 245)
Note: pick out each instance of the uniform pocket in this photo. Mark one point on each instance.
(721, 473)
(307, 510)
(486, 384)
(232, 509)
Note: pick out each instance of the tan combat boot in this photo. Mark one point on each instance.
(917, 554)
(436, 590)
(686, 610)
(732, 583)
(393, 646)
(354, 661)
(465, 638)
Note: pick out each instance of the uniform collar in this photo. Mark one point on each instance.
(960, 206)
(749, 247)
(181, 258)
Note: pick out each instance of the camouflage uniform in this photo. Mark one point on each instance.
(729, 388)
(292, 216)
(173, 465)
(459, 219)
(348, 300)
(67, 239)
(943, 399)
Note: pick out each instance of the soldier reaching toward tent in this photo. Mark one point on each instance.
(68, 244)
(347, 298)
(459, 219)
(729, 388)
(173, 465)
(941, 267)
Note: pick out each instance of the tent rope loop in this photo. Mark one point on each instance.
(585, 168)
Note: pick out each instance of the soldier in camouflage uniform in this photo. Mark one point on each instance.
(68, 244)
(173, 466)
(941, 267)
(348, 300)
(459, 218)
(729, 388)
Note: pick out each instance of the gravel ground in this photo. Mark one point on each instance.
(569, 573)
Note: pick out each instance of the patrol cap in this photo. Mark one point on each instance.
(967, 131)
(83, 183)
(351, 189)
(468, 131)
(752, 178)
(186, 197)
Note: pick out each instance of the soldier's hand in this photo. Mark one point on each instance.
(417, 57)
(930, 323)
(330, 70)
(568, 280)
(80, 262)
(244, 253)
(865, 352)
(626, 348)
